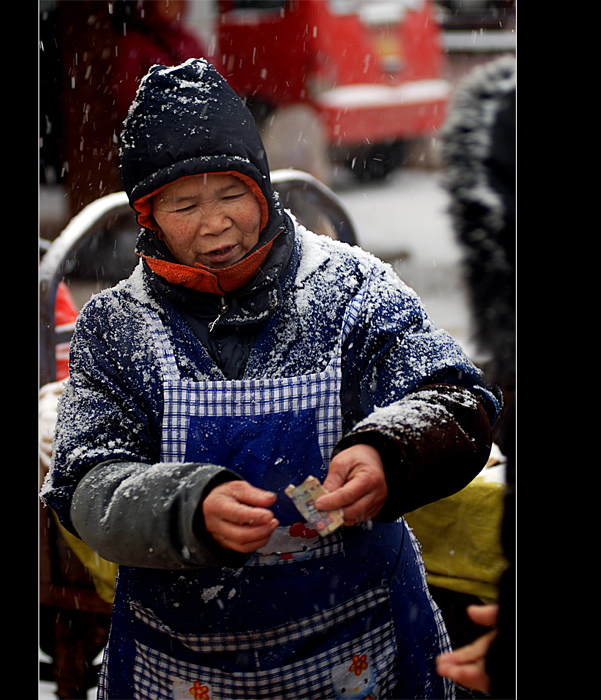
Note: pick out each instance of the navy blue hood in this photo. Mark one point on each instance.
(187, 120)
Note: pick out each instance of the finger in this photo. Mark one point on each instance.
(338, 473)
(485, 615)
(362, 484)
(245, 538)
(344, 495)
(232, 511)
(248, 494)
(466, 665)
(471, 676)
(359, 466)
(222, 506)
(338, 478)
(362, 510)
(470, 653)
(240, 502)
(247, 516)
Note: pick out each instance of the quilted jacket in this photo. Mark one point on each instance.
(407, 388)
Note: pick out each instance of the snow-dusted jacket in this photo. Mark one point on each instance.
(407, 387)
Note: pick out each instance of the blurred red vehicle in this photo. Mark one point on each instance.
(357, 79)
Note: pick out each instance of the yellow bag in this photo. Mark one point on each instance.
(103, 572)
(460, 537)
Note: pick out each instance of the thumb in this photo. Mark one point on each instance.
(259, 497)
(251, 495)
(484, 615)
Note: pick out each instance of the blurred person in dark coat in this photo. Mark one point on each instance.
(105, 49)
(479, 150)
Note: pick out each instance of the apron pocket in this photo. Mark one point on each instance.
(343, 652)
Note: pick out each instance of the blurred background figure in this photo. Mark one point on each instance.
(103, 49)
(479, 150)
(156, 32)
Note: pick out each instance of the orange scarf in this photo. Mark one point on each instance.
(206, 279)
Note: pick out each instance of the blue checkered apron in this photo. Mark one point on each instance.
(343, 616)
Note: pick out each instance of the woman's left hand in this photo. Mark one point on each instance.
(356, 483)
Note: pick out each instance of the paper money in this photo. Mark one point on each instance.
(304, 497)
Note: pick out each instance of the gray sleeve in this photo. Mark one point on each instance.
(148, 516)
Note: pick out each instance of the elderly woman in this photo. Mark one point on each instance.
(242, 355)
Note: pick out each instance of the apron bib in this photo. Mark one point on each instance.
(342, 616)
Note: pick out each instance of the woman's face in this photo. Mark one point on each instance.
(209, 219)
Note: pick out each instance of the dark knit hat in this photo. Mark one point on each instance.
(186, 120)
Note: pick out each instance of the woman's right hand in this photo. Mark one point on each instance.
(237, 516)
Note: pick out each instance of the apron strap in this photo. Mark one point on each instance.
(353, 309)
(162, 344)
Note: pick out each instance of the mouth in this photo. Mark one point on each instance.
(219, 256)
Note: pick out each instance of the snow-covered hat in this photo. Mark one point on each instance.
(186, 120)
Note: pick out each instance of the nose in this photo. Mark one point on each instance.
(214, 222)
